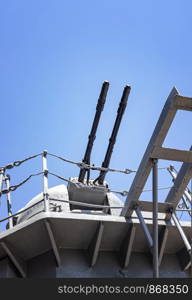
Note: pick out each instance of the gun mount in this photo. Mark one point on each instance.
(85, 230)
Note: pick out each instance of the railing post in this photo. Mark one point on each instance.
(8, 195)
(155, 219)
(45, 181)
(2, 171)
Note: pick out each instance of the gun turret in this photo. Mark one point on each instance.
(92, 136)
(112, 140)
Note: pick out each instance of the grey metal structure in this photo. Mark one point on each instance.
(186, 197)
(82, 229)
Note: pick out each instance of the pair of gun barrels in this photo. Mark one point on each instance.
(112, 140)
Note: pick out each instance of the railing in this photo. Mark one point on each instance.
(5, 180)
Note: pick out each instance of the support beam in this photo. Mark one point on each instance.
(145, 228)
(17, 261)
(184, 199)
(53, 243)
(163, 207)
(45, 181)
(174, 173)
(184, 103)
(127, 245)
(155, 219)
(162, 242)
(180, 184)
(157, 139)
(95, 244)
(9, 205)
(184, 257)
(2, 172)
(172, 154)
(181, 231)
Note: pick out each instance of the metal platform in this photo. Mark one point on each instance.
(77, 231)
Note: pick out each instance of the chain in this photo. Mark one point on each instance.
(19, 162)
(60, 177)
(14, 187)
(125, 193)
(63, 159)
(82, 165)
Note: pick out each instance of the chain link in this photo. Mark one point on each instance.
(79, 164)
(82, 165)
(14, 187)
(60, 177)
(19, 162)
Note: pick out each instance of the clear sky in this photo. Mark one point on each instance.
(54, 56)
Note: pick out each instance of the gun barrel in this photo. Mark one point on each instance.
(112, 140)
(92, 135)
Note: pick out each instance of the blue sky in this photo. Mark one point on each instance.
(54, 56)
